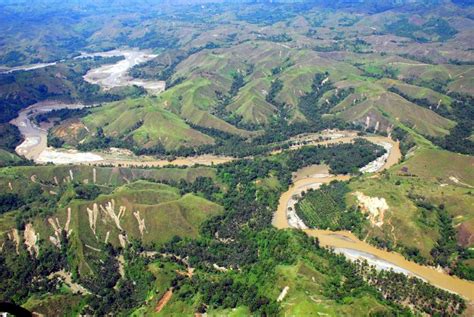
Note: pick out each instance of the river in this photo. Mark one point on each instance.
(34, 146)
(111, 75)
(345, 242)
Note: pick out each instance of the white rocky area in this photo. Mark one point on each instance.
(116, 75)
(377, 164)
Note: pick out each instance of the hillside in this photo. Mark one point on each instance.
(141, 122)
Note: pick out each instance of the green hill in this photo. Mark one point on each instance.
(144, 123)
(391, 110)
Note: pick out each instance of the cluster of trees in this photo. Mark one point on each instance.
(279, 69)
(9, 201)
(435, 29)
(325, 208)
(406, 139)
(342, 158)
(399, 288)
(275, 88)
(202, 185)
(312, 105)
(102, 141)
(278, 38)
(87, 191)
(54, 141)
(110, 292)
(446, 252)
(459, 138)
(153, 40)
(223, 100)
(308, 103)
(24, 275)
(382, 72)
(10, 136)
(61, 114)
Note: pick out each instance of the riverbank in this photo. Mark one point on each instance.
(346, 243)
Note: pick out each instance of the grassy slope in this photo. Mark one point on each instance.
(305, 294)
(419, 92)
(304, 298)
(105, 175)
(392, 109)
(8, 158)
(429, 172)
(165, 213)
(120, 119)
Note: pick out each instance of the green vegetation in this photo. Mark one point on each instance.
(435, 29)
(459, 138)
(63, 81)
(424, 217)
(237, 238)
(325, 208)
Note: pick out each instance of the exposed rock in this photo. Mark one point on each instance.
(123, 239)
(141, 222)
(15, 237)
(374, 207)
(283, 293)
(93, 213)
(109, 210)
(68, 220)
(31, 239)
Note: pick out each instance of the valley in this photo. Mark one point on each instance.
(34, 146)
(237, 158)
